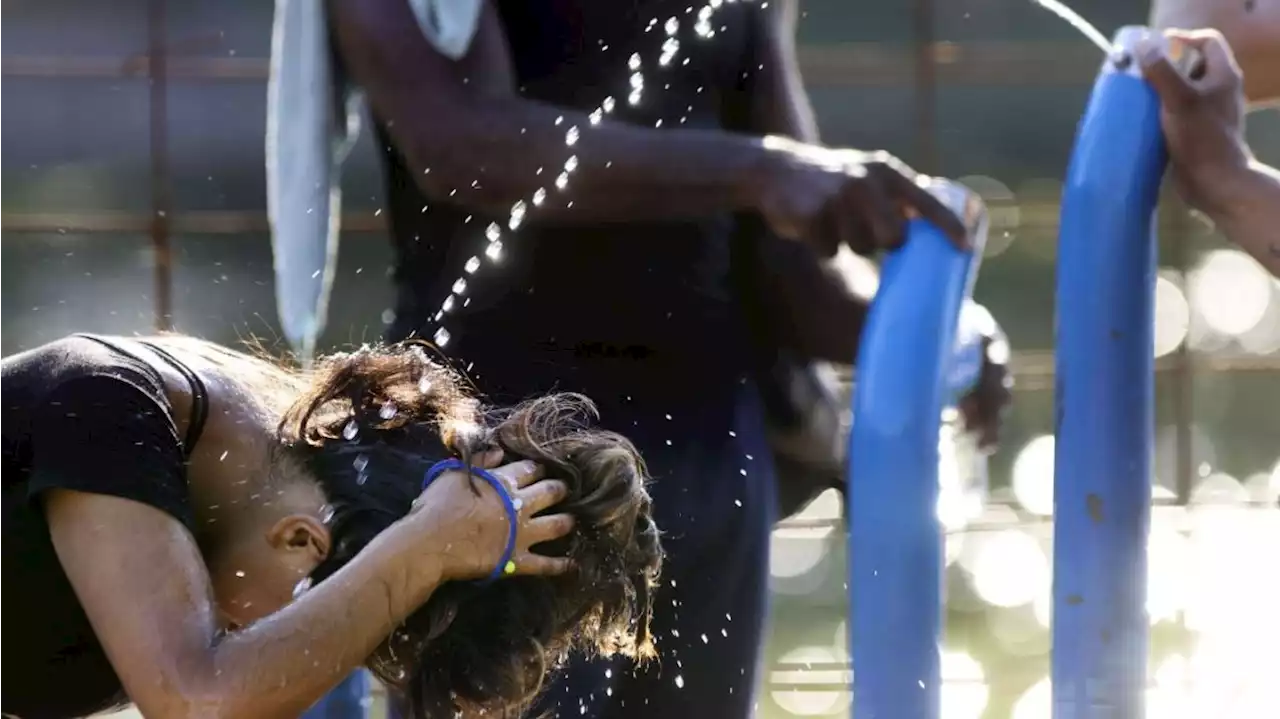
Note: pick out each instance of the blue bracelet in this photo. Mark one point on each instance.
(505, 565)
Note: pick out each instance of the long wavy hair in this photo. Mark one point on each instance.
(367, 425)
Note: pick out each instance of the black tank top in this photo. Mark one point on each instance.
(565, 295)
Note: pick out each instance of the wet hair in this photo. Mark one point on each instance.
(367, 429)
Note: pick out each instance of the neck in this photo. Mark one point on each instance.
(229, 473)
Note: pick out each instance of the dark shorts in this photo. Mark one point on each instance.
(715, 503)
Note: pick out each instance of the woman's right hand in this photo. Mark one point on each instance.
(468, 523)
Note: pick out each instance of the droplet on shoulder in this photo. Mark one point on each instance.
(351, 431)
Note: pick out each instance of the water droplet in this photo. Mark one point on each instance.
(424, 384)
(517, 503)
(223, 456)
(517, 214)
(571, 137)
(387, 411)
(562, 180)
(596, 116)
(494, 251)
(637, 81)
(679, 681)
(301, 587)
(360, 463)
(493, 232)
(737, 502)
(539, 196)
(240, 573)
(459, 286)
(633, 62)
(704, 639)
(441, 337)
(472, 265)
(634, 97)
(672, 26)
(351, 431)
(571, 164)
(361, 479)
(608, 104)
(608, 673)
(668, 417)
(326, 513)
(670, 49)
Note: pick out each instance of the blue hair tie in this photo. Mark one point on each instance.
(505, 564)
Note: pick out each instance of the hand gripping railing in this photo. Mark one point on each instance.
(909, 367)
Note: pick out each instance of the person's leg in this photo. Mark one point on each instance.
(715, 505)
(348, 700)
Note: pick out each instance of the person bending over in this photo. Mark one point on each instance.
(204, 533)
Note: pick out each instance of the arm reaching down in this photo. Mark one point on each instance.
(463, 122)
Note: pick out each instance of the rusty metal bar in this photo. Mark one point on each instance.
(925, 84)
(157, 54)
(860, 64)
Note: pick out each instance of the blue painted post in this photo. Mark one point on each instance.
(1105, 296)
(895, 538)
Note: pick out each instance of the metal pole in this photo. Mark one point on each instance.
(925, 155)
(161, 210)
(895, 539)
(1105, 397)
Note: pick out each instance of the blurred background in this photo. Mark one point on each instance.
(136, 200)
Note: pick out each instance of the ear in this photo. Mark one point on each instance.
(300, 533)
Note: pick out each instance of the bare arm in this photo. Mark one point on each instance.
(461, 122)
(810, 296)
(144, 586)
(1251, 215)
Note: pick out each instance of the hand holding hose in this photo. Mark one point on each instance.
(1203, 110)
(828, 197)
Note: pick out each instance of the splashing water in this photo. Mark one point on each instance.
(1077, 22)
(669, 52)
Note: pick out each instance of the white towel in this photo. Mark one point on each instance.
(313, 119)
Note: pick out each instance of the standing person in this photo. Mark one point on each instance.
(204, 533)
(619, 285)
